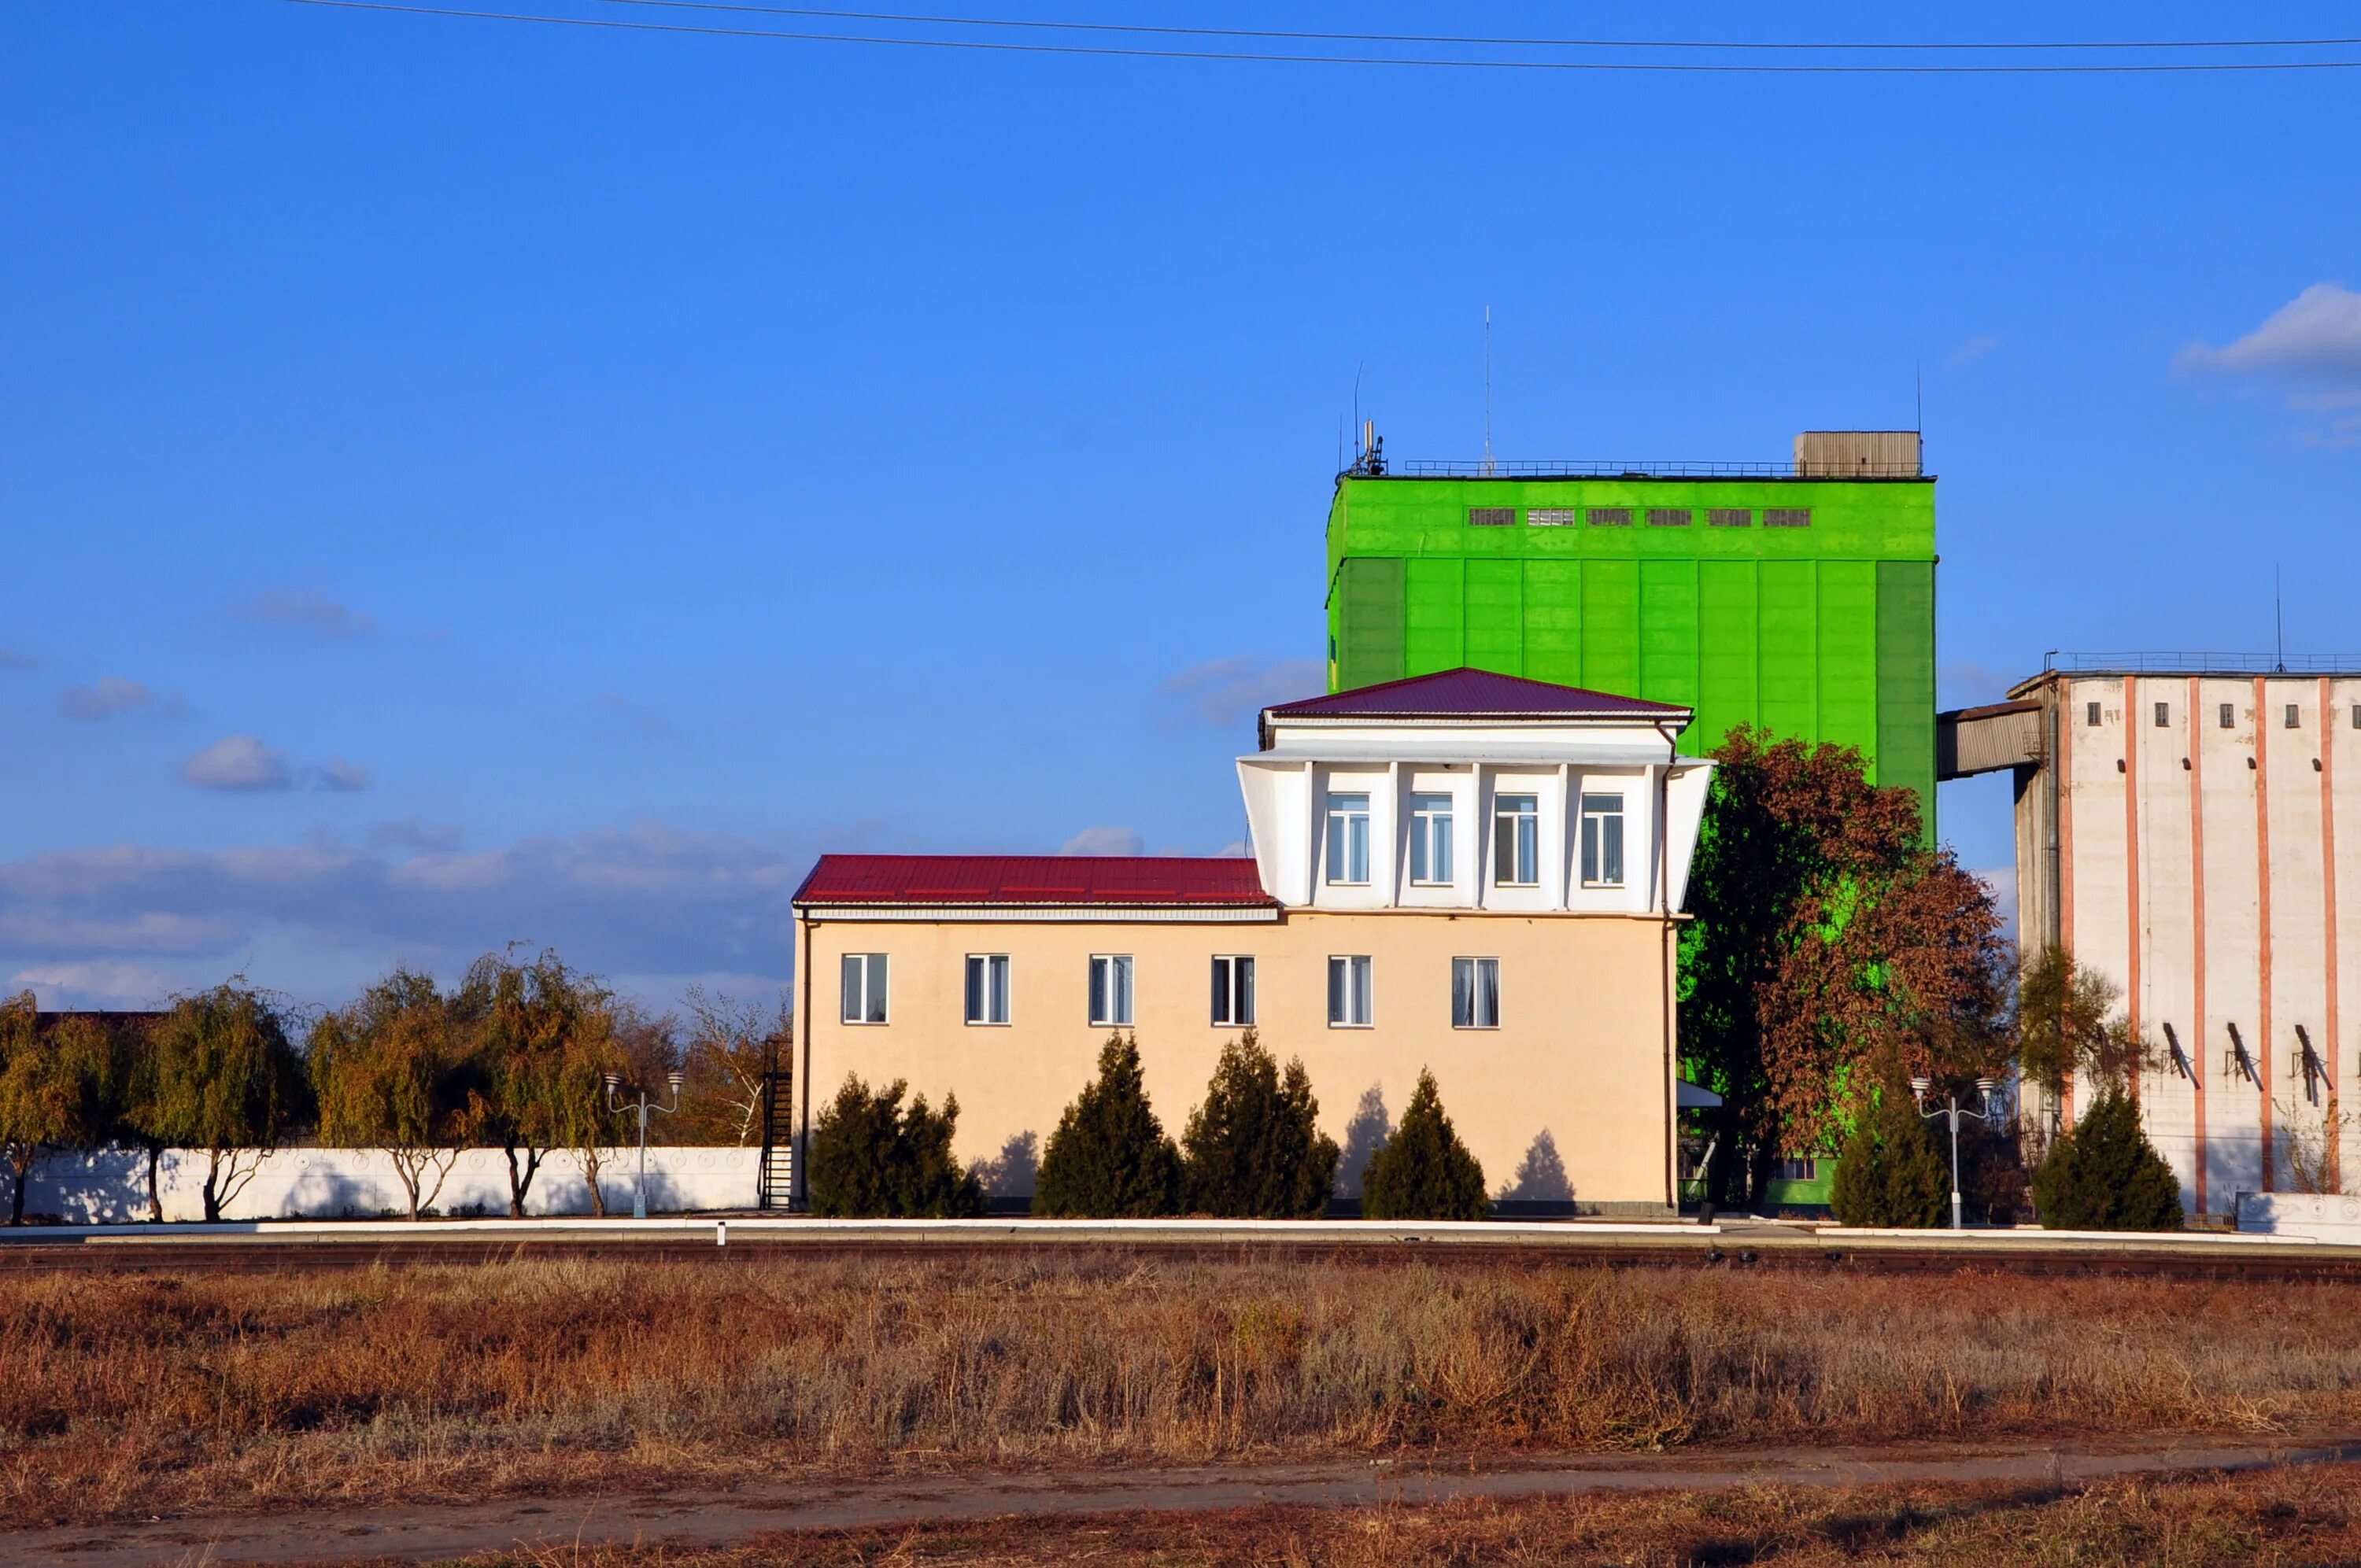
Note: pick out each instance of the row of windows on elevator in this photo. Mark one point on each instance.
(2226, 716)
(1352, 990)
(1516, 840)
(1621, 516)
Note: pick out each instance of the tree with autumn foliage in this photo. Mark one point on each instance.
(56, 1088)
(543, 1036)
(397, 1071)
(1829, 948)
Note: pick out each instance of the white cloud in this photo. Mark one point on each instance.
(1104, 842)
(16, 659)
(414, 833)
(309, 609)
(2315, 336)
(1966, 685)
(343, 777)
(1972, 350)
(1239, 849)
(100, 984)
(235, 763)
(110, 695)
(1223, 691)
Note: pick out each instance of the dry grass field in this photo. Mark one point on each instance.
(170, 1394)
(2291, 1518)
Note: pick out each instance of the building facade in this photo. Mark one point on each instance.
(1799, 598)
(2192, 830)
(1465, 874)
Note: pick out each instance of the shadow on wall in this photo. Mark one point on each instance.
(1541, 1176)
(1365, 1134)
(1015, 1171)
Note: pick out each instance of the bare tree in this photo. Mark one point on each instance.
(731, 1046)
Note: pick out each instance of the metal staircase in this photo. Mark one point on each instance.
(775, 1182)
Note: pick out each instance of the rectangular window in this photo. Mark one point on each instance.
(1786, 517)
(1491, 516)
(1795, 1167)
(1549, 517)
(2164, 716)
(1729, 517)
(2090, 714)
(1602, 840)
(1111, 989)
(2229, 715)
(1611, 517)
(1348, 993)
(2294, 717)
(1234, 989)
(1430, 840)
(2357, 716)
(987, 988)
(1474, 993)
(1348, 839)
(1669, 516)
(865, 988)
(1516, 840)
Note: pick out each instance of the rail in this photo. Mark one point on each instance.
(2200, 664)
(1654, 469)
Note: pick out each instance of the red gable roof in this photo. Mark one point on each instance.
(1041, 880)
(1472, 693)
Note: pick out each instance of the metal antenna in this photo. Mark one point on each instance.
(2278, 619)
(1357, 368)
(1488, 389)
(1919, 383)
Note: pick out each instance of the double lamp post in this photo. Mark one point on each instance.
(640, 1187)
(1950, 1110)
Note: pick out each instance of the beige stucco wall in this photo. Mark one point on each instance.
(1580, 1054)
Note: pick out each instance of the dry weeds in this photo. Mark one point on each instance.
(212, 1392)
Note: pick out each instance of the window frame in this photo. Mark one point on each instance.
(2164, 716)
(2089, 716)
(1361, 998)
(1355, 826)
(1007, 991)
(2227, 716)
(876, 978)
(1430, 828)
(1590, 856)
(1122, 964)
(1234, 983)
(1525, 827)
(2294, 716)
(1475, 966)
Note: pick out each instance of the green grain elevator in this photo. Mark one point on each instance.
(1797, 597)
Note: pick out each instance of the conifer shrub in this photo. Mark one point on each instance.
(2105, 1176)
(1423, 1172)
(1891, 1174)
(1109, 1158)
(1254, 1150)
(872, 1158)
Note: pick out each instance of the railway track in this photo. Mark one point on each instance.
(279, 1255)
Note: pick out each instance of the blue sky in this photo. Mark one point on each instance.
(467, 482)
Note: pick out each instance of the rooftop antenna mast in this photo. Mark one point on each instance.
(1488, 467)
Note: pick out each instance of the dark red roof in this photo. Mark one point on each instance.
(1472, 693)
(1115, 880)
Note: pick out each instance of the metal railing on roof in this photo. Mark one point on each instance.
(1503, 469)
(2200, 664)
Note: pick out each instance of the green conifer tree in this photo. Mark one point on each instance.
(1891, 1174)
(873, 1159)
(1254, 1150)
(1423, 1172)
(2105, 1176)
(1110, 1158)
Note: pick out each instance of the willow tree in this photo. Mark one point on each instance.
(221, 1079)
(55, 1087)
(394, 1071)
(542, 1035)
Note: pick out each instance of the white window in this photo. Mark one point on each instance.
(1474, 993)
(1111, 989)
(1516, 839)
(1602, 840)
(865, 988)
(987, 988)
(1429, 839)
(1348, 993)
(1233, 989)
(1348, 838)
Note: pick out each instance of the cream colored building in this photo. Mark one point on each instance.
(1465, 873)
(2192, 833)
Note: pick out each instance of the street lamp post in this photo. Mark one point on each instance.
(640, 1187)
(1951, 1111)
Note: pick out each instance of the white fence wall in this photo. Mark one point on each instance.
(2334, 1217)
(111, 1184)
